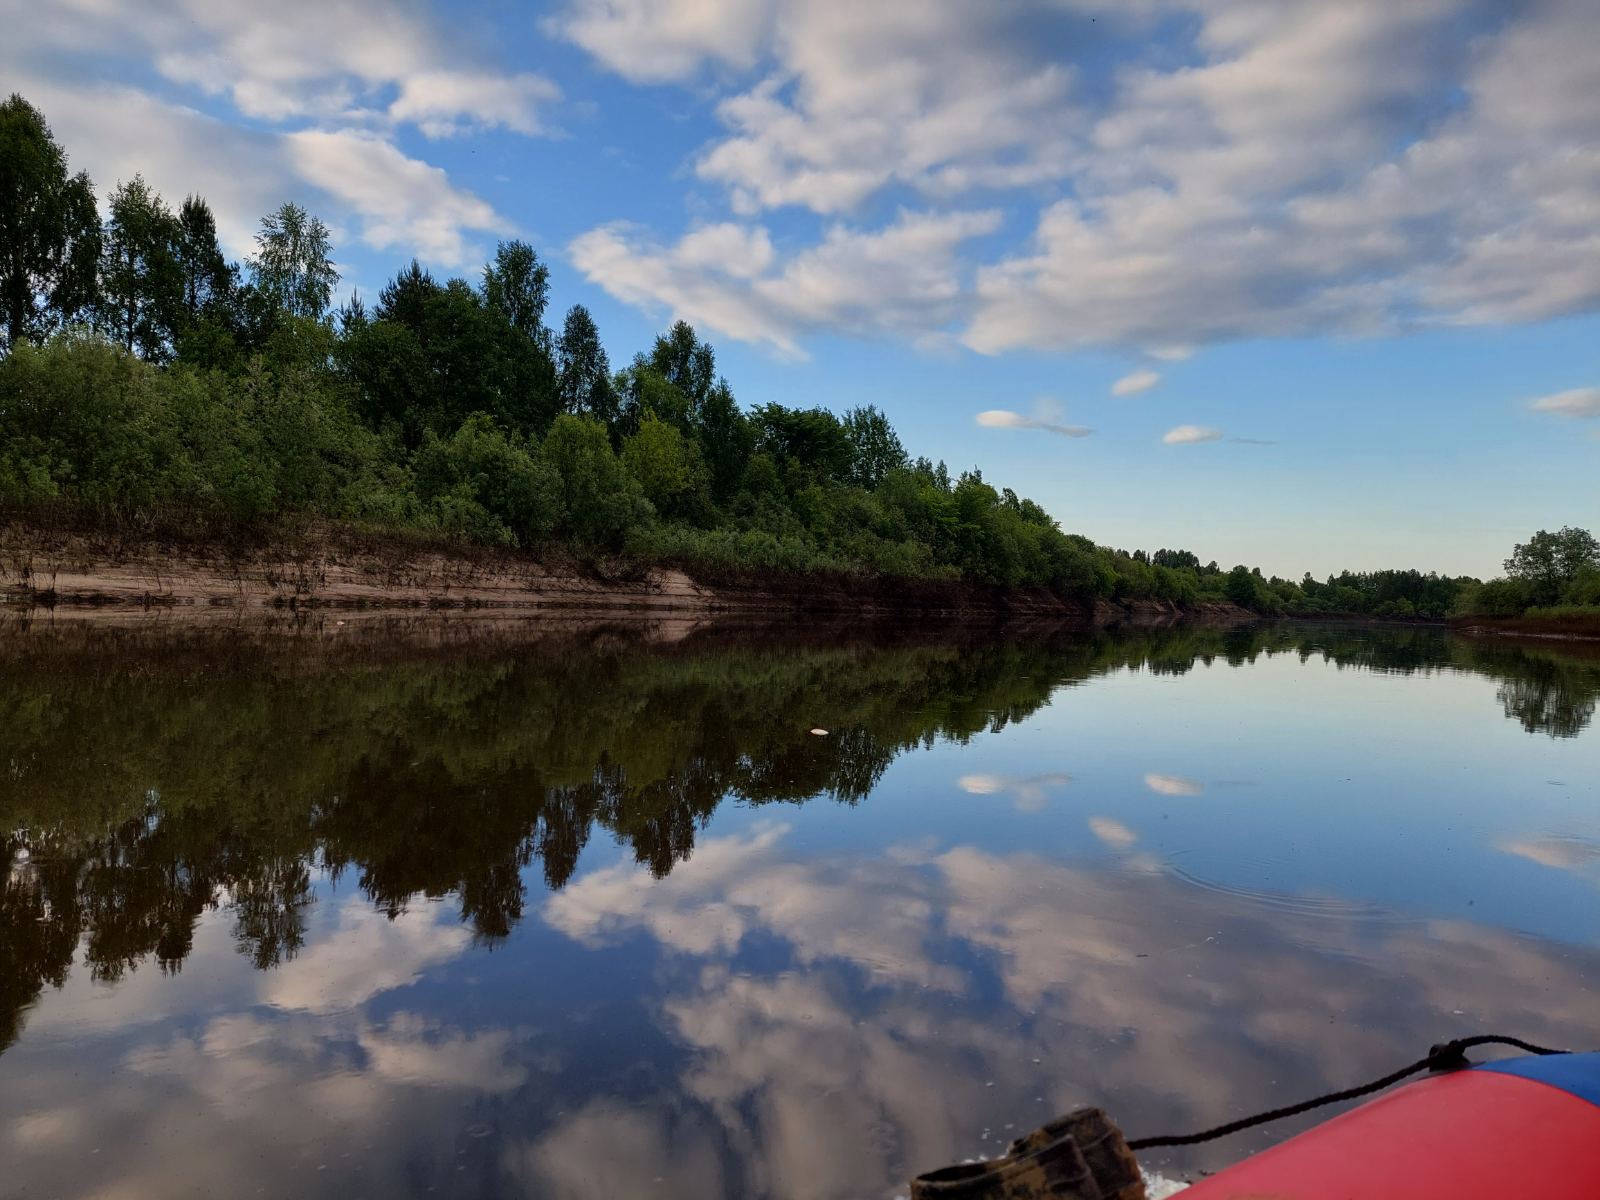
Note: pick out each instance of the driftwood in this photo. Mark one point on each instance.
(1081, 1156)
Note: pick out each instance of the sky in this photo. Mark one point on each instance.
(1299, 283)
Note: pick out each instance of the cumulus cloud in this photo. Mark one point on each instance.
(1188, 435)
(1173, 785)
(367, 953)
(326, 85)
(1562, 853)
(1112, 832)
(1184, 1026)
(1214, 170)
(399, 202)
(448, 103)
(655, 41)
(1030, 793)
(1575, 402)
(902, 278)
(1134, 383)
(1004, 418)
(321, 59)
(939, 95)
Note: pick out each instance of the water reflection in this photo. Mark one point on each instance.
(324, 838)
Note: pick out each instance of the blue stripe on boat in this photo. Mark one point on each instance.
(1578, 1074)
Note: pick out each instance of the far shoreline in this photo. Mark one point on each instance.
(334, 569)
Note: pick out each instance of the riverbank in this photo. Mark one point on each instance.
(331, 567)
(1580, 626)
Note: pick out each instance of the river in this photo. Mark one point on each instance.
(350, 911)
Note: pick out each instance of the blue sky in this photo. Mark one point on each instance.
(1343, 258)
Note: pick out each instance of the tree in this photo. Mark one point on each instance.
(811, 438)
(874, 446)
(49, 230)
(1241, 587)
(686, 362)
(517, 285)
(1547, 562)
(598, 497)
(293, 265)
(668, 468)
(141, 279)
(207, 278)
(583, 372)
(726, 438)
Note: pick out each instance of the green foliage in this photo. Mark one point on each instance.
(1584, 590)
(1377, 593)
(599, 500)
(141, 279)
(875, 448)
(434, 354)
(517, 286)
(1547, 562)
(669, 470)
(813, 441)
(1548, 572)
(207, 282)
(293, 266)
(88, 424)
(49, 230)
(1241, 587)
(483, 485)
(1502, 598)
(449, 407)
(583, 372)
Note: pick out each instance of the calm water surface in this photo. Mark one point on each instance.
(536, 916)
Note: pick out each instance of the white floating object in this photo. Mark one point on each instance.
(819, 733)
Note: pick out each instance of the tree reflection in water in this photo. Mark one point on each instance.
(147, 781)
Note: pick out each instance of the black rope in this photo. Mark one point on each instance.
(1447, 1056)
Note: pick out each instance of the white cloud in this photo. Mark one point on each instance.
(1354, 168)
(320, 59)
(1173, 785)
(1188, 435)
(1003, 418)
(401, 203)
(854, 97)
(1030, 793)
(653, 41)
(1575, 402)
(1562, 853)
(1136, 382)
(901, 278)
(447, 103)
(366, 70)
(1112, 832)
(417, 1052)
(368, 953)
(1208, 170)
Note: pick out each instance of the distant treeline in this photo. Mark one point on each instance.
(149, 384)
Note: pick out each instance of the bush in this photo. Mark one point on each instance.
(484, 485)
(1501, 598)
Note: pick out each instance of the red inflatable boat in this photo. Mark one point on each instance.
(1507, 1130)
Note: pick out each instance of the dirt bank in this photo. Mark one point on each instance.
(1580, 627)
(332, 568)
